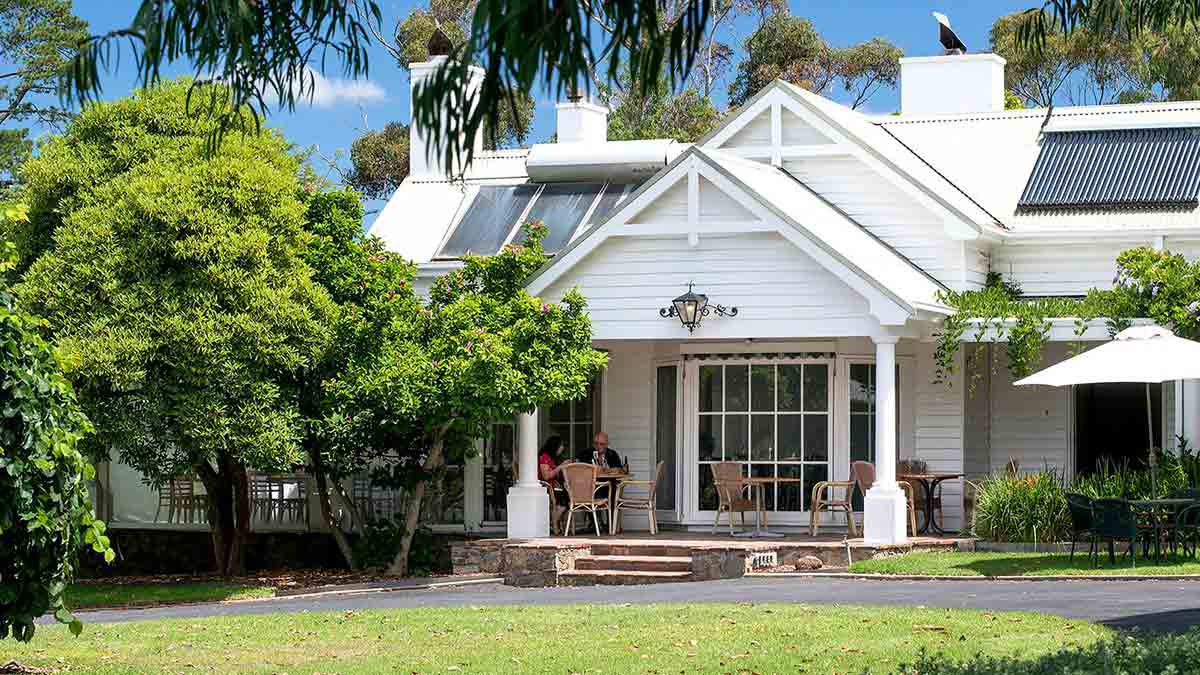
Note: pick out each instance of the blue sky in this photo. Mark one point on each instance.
(345, 109)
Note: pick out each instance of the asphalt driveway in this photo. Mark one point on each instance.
(1146, 605)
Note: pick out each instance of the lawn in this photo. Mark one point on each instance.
(101, 594)
(563, 639)
(953, 563)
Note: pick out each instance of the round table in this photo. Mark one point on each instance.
(929, 481)
(758, 483)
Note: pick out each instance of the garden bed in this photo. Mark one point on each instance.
(988, 564)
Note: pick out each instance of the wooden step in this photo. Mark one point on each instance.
(618, 577)
(634, 563)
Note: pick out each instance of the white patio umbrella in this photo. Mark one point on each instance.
(1140, 354)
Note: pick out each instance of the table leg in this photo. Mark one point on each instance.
(930, 522)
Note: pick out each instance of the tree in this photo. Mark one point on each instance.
(379, 161)
(1084, 67)
(788, 47)
(263, 51)
(45, 510)
(38, 38)
(685, 117)
(480, 349)
(172, 278)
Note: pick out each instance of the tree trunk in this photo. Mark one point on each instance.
(228, 513)
(324, 497)
(399, 566)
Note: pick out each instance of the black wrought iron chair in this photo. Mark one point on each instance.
(1114, 520)
(1080, 508)
(1187, 529)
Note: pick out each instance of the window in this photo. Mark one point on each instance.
(772, 416)
(576, 422)
(489, 220)
(862, 411)
(499, 454)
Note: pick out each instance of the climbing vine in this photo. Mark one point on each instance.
(1153, 284)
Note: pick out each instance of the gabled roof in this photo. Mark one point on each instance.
(807, 217)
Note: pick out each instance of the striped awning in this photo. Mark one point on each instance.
(1116, 169)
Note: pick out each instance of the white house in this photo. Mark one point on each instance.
(832, 233)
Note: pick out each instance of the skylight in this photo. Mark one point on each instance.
(489, 220)
(561, 207)
(1115, 169)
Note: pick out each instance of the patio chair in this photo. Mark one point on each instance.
(1187, 529)
(183, 505)
(1080, 508)
(637, 503)
(864, 477)
(825, 498)
(1113, 520)
(581, 484)
(727, 479)
(262, 497)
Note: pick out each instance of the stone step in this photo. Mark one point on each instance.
(642, 550)
(634, 563)
(618, 577)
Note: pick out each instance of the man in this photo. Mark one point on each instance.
(599, 451)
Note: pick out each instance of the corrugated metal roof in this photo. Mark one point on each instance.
(1150, 168)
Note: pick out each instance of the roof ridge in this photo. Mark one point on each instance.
(1057, 112)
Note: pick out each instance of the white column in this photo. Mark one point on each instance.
(884, 507)
(1189, 407)
(528, 505)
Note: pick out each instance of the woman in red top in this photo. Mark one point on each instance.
(548, 458)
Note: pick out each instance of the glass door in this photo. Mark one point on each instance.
(771, 416)
(666, 424)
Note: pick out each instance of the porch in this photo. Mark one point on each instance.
(669, 556)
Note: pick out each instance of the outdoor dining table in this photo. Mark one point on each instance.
(759, 483)
(1161, 514)
(929, 481)
(612, 477)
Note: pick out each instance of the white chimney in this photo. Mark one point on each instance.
(425, 159)
(582, 122)
(950, 84)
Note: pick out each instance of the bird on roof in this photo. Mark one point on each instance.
(947, 36)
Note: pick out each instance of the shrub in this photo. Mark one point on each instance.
(377, 543)
(1031, 507)
(1123, 653)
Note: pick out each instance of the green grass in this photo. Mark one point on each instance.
(563, 639)
(957, 564)
(100, 594)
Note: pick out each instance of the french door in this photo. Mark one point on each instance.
(771, 415)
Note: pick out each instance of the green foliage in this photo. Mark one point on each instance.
(1012, 101)
(1026, 508)
(258, 51)
(45, 510)
(685, 117)
(1125, 653)
(788, 47)
(173, 281)
(377, 543)
(380, 161)
(1150, 284)
(1110, 480)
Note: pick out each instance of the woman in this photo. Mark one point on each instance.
(548, 458)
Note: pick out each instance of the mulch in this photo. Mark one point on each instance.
(279, 579)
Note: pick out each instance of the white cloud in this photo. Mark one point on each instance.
(328, 92)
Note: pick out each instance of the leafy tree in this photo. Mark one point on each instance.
(716, 54)
(788, 47)
(1084, 67)
(173, 281)
(45, 510)
(480, 349)
(264, 50)
(686, 116)
(38, 38)
(379, 160)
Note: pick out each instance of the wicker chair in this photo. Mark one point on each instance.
(919, 499)
(864, 478)
(727, 479)
(580, 480)
(637, 503)
(824, 498)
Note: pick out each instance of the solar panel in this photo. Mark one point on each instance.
(561, 207)
(1154, 168)
(489, 220)
(608, 201)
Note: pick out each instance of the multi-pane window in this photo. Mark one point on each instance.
(575, 421)
(774, 417)
(499, 453)
(862, 411)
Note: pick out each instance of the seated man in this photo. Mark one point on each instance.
(600, 454)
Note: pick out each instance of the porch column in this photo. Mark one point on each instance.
(884, 507)
(528, 506)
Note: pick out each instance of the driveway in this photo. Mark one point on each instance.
(1147, 605)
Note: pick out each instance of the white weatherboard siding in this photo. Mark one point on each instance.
(795, 131)
(884, 210)
(939, 428)
(756, 132)
(1031, 424)
(626, 408)
(778, 290)
(1047, 268)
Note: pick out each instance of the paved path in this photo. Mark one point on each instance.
(1150, 605)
